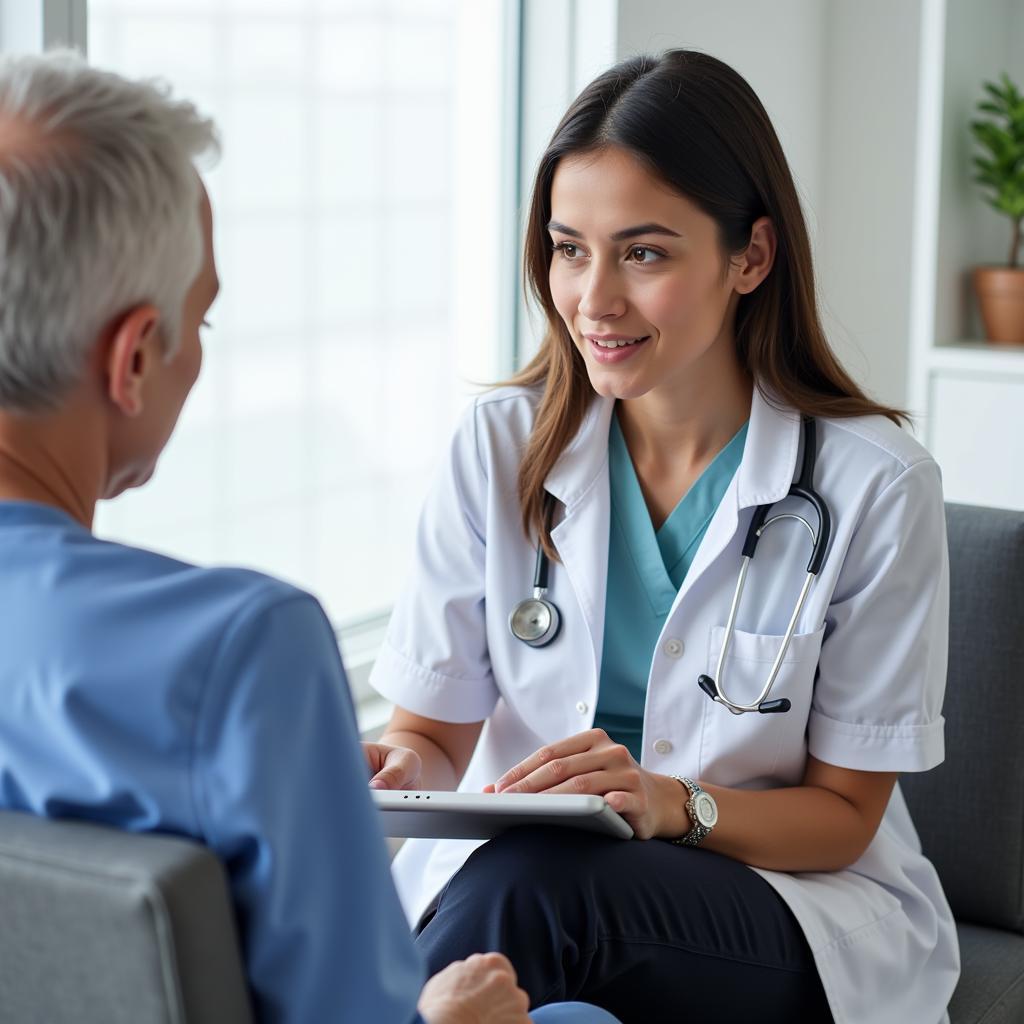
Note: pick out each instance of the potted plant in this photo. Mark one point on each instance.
(1000, 171)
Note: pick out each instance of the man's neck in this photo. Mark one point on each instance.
(52, 459)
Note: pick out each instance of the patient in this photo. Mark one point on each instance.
(136, 690)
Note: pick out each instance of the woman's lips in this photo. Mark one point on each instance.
(607, 356)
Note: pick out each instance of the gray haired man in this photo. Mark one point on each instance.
(137, 690)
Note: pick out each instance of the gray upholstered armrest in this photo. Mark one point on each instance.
(102, 926)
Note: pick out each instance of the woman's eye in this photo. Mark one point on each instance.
(641, 254)
(567, 249)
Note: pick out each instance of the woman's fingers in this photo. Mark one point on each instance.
(598, 783)
(398, 767)
(577, 744)
(629, 805)
(374, 754)
(562, 774)
(389, 778)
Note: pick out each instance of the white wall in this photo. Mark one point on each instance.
(867, 142)
(839, 81)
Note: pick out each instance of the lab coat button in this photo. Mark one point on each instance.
(581, 707)
(662, 747)
(673, 648)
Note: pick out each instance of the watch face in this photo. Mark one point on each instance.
(706, 809)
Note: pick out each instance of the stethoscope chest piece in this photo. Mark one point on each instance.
(535, 621)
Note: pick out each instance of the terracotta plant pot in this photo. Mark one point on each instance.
(1000, 292)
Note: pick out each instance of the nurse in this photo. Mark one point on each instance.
(776, 874)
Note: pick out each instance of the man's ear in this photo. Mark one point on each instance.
(133, 345)
(751, 267)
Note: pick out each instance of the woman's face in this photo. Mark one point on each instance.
(638, 276)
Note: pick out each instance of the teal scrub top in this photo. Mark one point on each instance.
(645, 570)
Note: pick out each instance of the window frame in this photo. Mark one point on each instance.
(31, 26)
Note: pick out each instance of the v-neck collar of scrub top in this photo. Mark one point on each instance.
(765, 474)
(657, 553)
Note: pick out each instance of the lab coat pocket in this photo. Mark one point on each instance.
(756, 750)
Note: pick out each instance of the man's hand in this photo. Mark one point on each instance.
(392, 767)
(480, 990)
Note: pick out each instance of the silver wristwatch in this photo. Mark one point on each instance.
(703, 812)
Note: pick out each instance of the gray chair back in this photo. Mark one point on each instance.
(99, 926)
(969, 811)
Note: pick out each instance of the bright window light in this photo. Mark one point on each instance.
(360, 231)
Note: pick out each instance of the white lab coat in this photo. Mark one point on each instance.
(865, 672)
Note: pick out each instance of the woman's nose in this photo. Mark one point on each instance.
(602, 296)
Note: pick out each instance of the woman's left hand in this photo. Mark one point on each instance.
(592, 763)
(392, 767)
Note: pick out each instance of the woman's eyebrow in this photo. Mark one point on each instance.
(562, 229)
(619, 236)
(644, 229)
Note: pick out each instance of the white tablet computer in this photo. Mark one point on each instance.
(441, 815)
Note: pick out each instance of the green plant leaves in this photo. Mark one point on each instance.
(1000, 167)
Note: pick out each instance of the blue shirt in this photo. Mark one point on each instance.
(645, 571)
(155, 696)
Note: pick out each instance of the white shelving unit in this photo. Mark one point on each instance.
(970, 392)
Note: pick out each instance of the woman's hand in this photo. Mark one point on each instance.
(392, 767)
(592, 763)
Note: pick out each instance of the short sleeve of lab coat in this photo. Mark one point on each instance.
(435, 659)
(882, 671)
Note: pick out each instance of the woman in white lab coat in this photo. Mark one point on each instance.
(776, 873)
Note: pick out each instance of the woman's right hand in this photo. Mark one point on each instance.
(480, 990)
(393, 767)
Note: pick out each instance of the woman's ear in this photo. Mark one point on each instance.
(131, 352)
(751, 266)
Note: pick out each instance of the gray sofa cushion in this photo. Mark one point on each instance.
(991, 989)
(969, 811)
(103, 926)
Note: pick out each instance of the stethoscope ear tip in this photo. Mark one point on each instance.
(766, 707)
(707, 684)
(771, 707)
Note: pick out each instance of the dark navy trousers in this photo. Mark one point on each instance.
(648, 930)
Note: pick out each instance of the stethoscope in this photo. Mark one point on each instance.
(536, 620)
(802, 488)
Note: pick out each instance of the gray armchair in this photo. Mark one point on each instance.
(100, 926)
(969, 811)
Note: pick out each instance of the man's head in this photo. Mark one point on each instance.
(106, 261)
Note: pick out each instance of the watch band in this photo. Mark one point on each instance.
(698, 831)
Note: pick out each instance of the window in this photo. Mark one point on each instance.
(367, 252)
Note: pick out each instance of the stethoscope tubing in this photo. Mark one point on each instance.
(802, 488)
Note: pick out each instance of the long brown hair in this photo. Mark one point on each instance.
(696, 124)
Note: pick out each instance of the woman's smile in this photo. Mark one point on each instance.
(608, 349)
